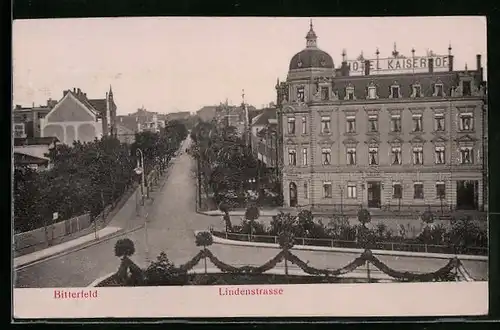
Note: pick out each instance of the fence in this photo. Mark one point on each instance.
(46, 235)
(327, 242)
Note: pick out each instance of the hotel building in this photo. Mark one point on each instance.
(386, 132)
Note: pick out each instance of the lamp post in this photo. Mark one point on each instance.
(140, 170)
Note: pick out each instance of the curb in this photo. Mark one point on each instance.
(223, 241)
(78, 247)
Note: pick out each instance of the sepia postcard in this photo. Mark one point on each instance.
(246, 167)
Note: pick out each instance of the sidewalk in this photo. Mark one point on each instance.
(57, 249)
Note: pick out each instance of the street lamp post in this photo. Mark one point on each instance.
(140, 170)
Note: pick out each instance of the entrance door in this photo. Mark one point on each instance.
(374, 194)
(467, 195)
(293, 194)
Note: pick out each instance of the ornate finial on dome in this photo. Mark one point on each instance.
(377, 52)
(311, 36)
(344, 54)
(413, 52)
(466, 67)
(449, 48)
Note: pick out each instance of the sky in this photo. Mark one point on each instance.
(184, 63)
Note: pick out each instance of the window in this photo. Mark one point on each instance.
(372, 92)
(417, 123)
(417, 90)
(396, 156)
(304, 125)
(394, 92)
(418, 190)
(440, 190)
(439, 122)
(292, 157)
(466, 155)
(438, 90)
(373, 123)
(418, 156)
(326, 157)
(440, 155)
(466, 123)
(304, 156)
(351, 156)
(466, 90)
(325, 124)
(397, 190)
(351, 124)
(19, 131)
(396, 123)
(306, 190)
(291, 125)
(325, 94)
(300, 94)
(351, 190)
(349, 92)
(373, 156)
(327, 189)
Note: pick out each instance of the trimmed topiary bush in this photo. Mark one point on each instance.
(124, 248)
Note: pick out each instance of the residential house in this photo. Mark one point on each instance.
(33, 152)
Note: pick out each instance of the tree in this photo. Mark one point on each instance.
(306, 222)
(364, 216)
(124, 248)
(428, 216)
(204, 239)
(252, 213)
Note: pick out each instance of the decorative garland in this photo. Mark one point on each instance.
(137, 275)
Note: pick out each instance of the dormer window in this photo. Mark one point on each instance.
(466, 88)
(438, 90)
(372, 91)
(395, 91)
(349, 93)
(416, 90)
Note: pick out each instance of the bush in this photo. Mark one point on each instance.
(257, 228)
(428, 216)
(204, 239)
(124, 248)
(364, 216)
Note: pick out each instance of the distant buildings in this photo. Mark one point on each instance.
(181, 116)
(387, 131)
(32, 152)
(264, 136)
(26, 120)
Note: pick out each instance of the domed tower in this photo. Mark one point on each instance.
(312, 65)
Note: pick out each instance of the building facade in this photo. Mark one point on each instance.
(78, 118)
(27, 120)
(394, 132)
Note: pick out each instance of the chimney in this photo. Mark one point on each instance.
(18, 106)
(450, 63)
(78, 91)
(85, 95)
(478, 62)
(431, 65)
(65, 92)
(367, 67)
(74, 90)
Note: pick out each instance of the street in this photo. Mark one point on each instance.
(171, 223)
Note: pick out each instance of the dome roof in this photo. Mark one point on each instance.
(311, 56)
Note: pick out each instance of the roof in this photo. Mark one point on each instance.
(23, 159)
(129, 122)
(98, 104)
(123, 129)
(264, 116)
(311, 58)
(35, 141)
(405, 81)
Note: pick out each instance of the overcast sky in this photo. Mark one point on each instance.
(182, 64)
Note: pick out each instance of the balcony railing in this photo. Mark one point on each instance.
(326, 242)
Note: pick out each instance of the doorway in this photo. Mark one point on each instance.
(374, 194)
(467, 195)
(293, 194)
